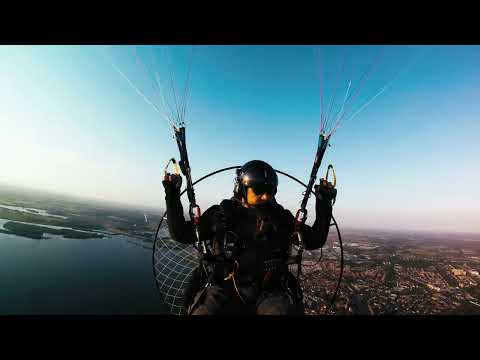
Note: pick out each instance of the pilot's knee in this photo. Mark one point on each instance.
(279, 303)
(214, 301)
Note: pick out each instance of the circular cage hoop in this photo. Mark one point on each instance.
(174, 263)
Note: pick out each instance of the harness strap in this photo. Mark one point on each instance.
(232, 277)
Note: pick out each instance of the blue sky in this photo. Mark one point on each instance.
(72, 124)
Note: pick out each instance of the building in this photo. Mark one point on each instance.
(433, 287)
(459, 272)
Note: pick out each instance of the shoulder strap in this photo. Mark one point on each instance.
(226, 207)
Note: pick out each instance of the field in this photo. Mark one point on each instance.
(83, 215)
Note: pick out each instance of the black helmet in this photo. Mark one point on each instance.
(257, 175)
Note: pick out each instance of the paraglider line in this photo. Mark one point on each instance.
(141, 94)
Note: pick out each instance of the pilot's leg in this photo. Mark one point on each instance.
(279, 302)
(213, 300)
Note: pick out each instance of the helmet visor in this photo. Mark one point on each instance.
(260, 189)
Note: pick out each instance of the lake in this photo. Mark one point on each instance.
(112, 275)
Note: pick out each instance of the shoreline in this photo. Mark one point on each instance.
(37, 232)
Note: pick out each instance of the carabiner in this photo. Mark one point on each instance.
(175, 167)
(334, 175)
(195, 217)
(299, 220)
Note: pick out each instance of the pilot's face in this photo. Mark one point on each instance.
(253, 199)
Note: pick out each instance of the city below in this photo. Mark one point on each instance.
(395, 273)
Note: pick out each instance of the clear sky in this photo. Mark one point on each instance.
(70, 123)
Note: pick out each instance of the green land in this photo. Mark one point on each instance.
(81, 214)
(36, 231)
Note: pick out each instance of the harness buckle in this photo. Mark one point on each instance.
(195, 215)
(300, 219)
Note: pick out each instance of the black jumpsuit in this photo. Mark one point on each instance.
(257, 246)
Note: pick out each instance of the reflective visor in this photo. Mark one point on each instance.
(260, 189)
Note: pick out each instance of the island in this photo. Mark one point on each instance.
(36, 231)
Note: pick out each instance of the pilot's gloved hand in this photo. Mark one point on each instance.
(325, 192)
(172, 183)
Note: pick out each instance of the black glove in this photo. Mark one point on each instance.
(172, 183)
(325, 191)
